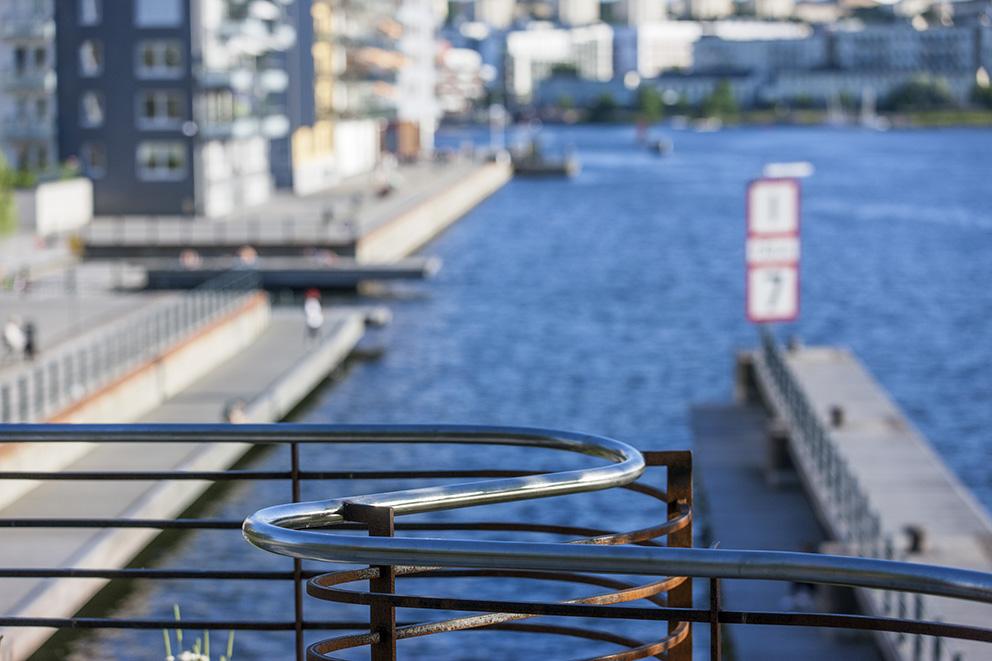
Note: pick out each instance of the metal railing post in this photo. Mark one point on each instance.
(294, 459)
(716, 643)
(680, 496)
(382, 617)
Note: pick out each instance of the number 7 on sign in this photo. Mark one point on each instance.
(772, 293)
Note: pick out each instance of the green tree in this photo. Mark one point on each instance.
(721, 102)
(650, 104)
(564, 70)
(604, 109)
(920, 93)
(981, 96)
(7, 221)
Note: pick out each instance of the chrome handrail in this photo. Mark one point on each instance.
(299, 530)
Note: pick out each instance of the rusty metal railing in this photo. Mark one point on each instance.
(601, 558)
(302, 531)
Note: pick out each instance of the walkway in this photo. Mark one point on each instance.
(743, 511)
(272, 376)
(871, 475)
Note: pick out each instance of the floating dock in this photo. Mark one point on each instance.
(877, 487)
(289, 273)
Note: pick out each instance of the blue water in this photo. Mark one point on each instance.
(611, 303)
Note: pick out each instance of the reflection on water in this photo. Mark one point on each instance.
(611, 303)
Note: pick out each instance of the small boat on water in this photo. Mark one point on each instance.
(532, 163)
(661, 146)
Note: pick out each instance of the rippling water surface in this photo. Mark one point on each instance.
(611, 303)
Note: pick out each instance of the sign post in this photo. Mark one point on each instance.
(772, 250)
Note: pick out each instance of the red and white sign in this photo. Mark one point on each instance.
(772, 251)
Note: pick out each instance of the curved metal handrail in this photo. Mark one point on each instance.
(283, 528)
(298, 530)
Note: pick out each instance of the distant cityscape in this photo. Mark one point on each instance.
(205, 107)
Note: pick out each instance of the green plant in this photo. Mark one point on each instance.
(201, 646)
(604, 109)
(650, 104)
(981, 96)
(8, 221)
(920, 93)
(721, 102)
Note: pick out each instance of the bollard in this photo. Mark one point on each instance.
(836, 416)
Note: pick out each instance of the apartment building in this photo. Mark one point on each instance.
(533, 55)
(170, 105)
(27, 84)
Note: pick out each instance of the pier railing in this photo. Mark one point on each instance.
(33, 390)
(849, 509)
(332, 531)
(845, 505)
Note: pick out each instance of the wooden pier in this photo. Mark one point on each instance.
(877, 486)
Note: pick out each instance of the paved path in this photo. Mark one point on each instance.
(903, 478)
(272, 376)
(742, 511)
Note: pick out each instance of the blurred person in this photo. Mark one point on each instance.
(313, 313)
(30, 347)
(14, 338)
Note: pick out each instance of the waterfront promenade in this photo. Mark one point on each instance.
(267, 380)
(349, 220)
(246, 362)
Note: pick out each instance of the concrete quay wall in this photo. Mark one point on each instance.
(412, 229)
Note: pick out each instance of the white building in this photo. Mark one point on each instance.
(708, 10)
(498, 14)
(578, 12)
(642, 12)
(416, 83)
(460, 83)
(651, 49)
(533, 55)
(775, 9)
(760, 47)
(27, 84)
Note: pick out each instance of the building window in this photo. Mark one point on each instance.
(20, 59)
(158, 13)
(160, 109)
(94, 159)
(161, 161)
(159, 59)
(92, 110)
(90, 12)
(40, 58)
(91, 58)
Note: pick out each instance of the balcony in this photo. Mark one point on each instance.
(41, 28)
(28, 80)
(28, 129)
(236, 79)
(242, 127)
